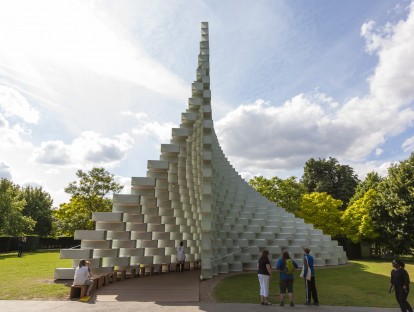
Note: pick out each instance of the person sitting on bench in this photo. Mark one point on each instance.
(82, 276)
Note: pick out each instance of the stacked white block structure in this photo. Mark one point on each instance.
(192, 193)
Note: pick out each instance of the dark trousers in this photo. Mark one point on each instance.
(311, 290)
(20, 251)
(401, 296)
(181, 266)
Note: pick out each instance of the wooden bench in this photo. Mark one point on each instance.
(119, 274)
(77, 291)
(157, 269)
(100, 280)
(165, 267)
(130, 271)
(186, 266)
(174, 267)
(106, 275)
(146, 269)
(112, 277)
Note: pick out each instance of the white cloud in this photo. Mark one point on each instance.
(285, 136)
(5, 171)
(12, 135)
(52, 153)
(365, 167)
(147, 127)
(12, 103)
(375, 40)
(261, 136)
(15, 115)
(408, 145)
(393, 78)
(88, 150)
(78, 34)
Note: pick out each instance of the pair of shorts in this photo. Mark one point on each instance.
(286, 285)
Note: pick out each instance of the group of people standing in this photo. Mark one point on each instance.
(286, 266)
(400, 280)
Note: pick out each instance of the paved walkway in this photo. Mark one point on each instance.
(172, 287)
(174, 292)
(127, 306)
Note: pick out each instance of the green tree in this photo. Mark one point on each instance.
(284, 193)
(321, 210)
(266, 187)
(38, 207)
(12, 221)
(329, 176)
(393, 211)
(74, 216)
(357, 222)
(371, 182)
(89, 194)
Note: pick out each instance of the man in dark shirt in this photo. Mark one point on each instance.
(400, 280)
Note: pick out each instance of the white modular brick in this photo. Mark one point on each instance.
(107, 216)
(84, 253)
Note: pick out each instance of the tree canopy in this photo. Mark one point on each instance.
(393, 211)
(329, 176)
(321, 210)
(38, 207)
(357, 222)
(89, 194)
(12, 220)
(284, 193)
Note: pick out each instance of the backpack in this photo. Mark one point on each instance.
(289, 267)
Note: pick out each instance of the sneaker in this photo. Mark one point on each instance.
(282, 304)
(308, 303)
(292, 304)
(316, 303)
(268, 303)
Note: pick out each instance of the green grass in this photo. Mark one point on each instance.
(31, 277)
(362, 283)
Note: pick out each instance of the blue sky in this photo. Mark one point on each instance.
(101, 83)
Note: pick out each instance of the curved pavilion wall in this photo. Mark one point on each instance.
(192, 193)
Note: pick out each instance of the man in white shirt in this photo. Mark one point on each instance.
(181, 256)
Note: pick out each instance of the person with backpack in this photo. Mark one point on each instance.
(286, 267)
(400, 281)
(310, 285)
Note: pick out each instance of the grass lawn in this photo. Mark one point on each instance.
(31, 277)
(362, 283)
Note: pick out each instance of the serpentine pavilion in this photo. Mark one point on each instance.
(193, 194)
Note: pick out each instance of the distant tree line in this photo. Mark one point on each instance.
(29, 210)
(378, 210)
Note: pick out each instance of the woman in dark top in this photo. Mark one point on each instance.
(264, 273)
(401, 283)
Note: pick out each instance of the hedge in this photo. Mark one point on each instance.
(8, 243)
